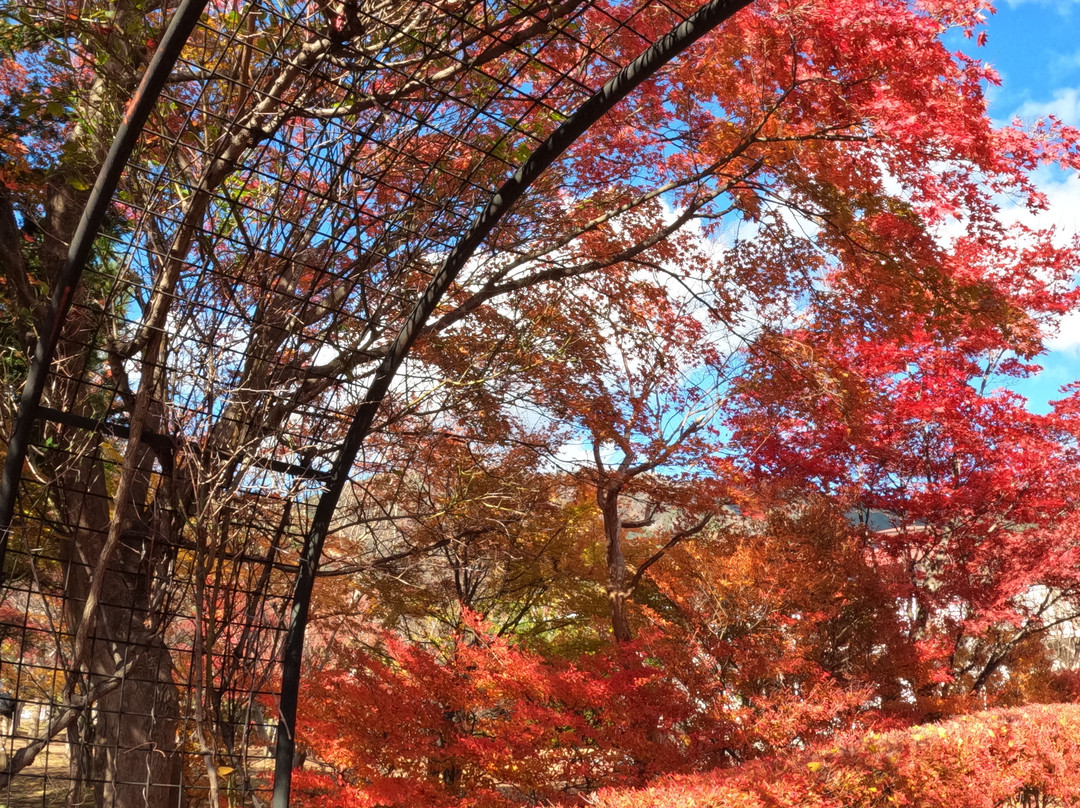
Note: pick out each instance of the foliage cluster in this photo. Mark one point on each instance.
(486, 722)
(1022, 757)
(706, 460)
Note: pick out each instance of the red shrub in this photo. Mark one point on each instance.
(984, 760)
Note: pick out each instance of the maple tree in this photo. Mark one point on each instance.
(639, 388)
(295, 193)
(479, 720)
(976, 489)
(464, 527)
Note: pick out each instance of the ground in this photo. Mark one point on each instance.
(42, 784)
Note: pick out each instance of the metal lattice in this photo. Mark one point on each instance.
(310, 177)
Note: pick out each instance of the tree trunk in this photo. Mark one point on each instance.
(608, 499)
(134, 757)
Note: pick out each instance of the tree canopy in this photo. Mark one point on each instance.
(693, 447)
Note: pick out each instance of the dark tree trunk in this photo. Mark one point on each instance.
(134, 757)
(608, 500)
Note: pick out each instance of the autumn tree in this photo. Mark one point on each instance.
(308, 171)
(465, 527)
(642, 402)
(962, 495)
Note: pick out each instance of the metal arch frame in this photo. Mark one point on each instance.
(185, 18)
(706, 18)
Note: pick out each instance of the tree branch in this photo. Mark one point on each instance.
(678, 537)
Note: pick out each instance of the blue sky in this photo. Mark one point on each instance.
(1035, 46)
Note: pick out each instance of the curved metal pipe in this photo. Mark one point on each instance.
(142, 103)
(658, 54)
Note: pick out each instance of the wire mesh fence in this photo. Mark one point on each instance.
(305, 172)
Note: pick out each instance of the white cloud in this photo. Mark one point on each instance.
(1062, 192)
(1063, 199)
(1063, 213)
(1065, 105)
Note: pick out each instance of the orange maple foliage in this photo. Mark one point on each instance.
(1027, 756)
